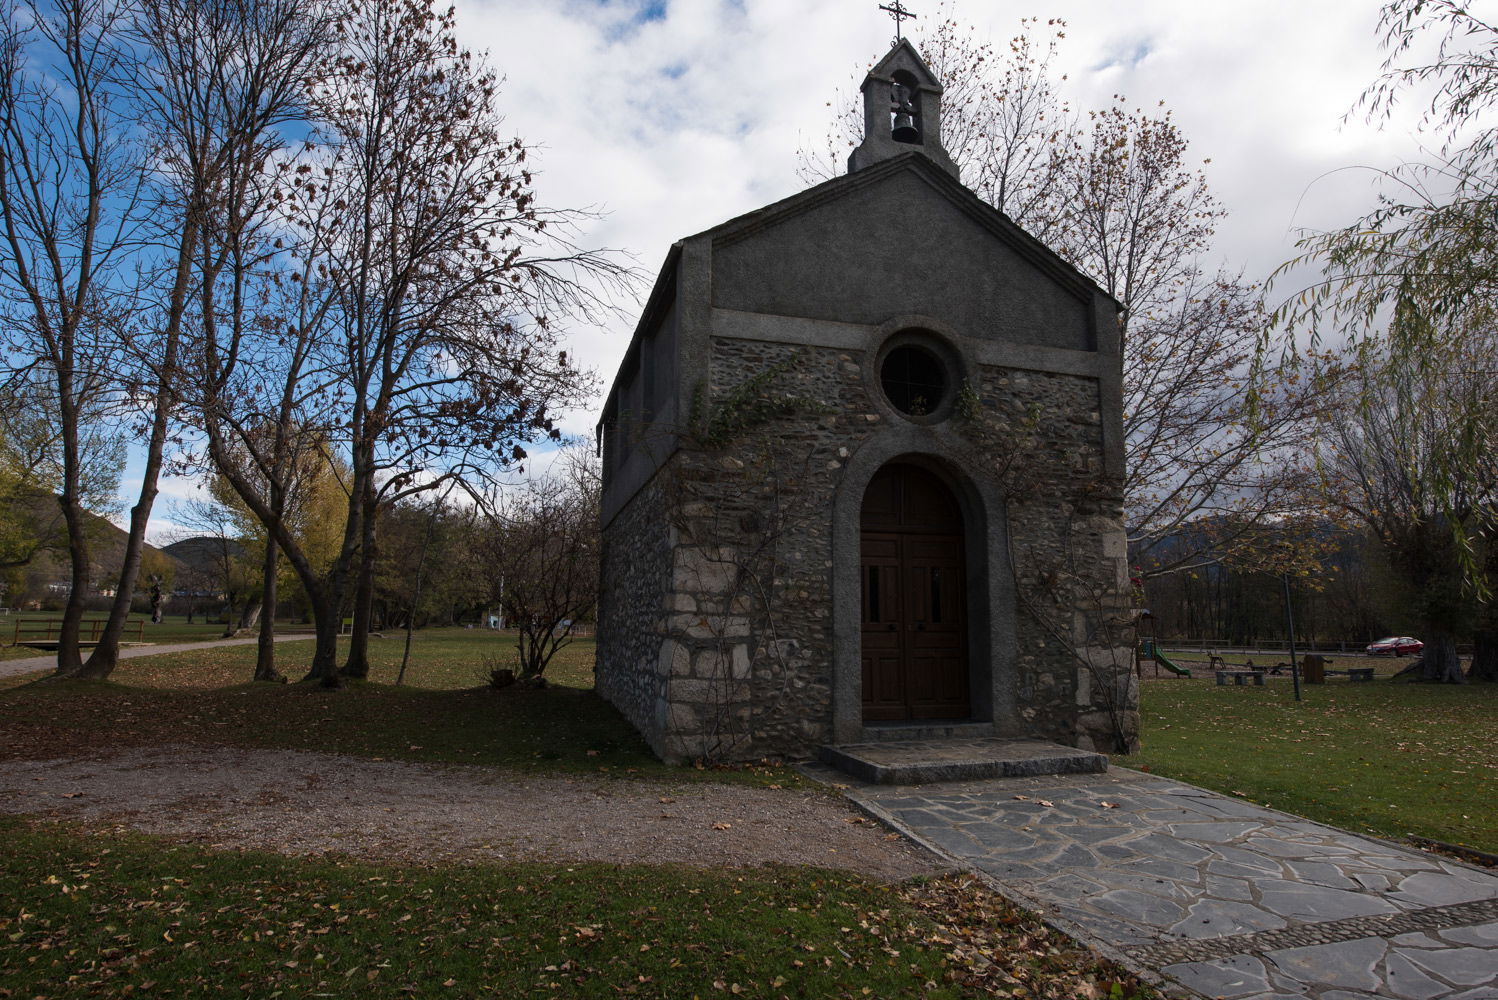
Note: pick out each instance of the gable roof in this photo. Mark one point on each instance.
(904, 56)
(1000, 225)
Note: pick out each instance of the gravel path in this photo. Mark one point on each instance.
(26, 665)
(308, 803)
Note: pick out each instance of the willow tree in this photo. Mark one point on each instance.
(1411, 288)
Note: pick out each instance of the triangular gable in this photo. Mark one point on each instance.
(902, 238)
(904, 57)
(1002, 227)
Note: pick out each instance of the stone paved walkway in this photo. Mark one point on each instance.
(1225, 898)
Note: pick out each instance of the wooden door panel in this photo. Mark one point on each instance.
(914, 605)
(883, 648)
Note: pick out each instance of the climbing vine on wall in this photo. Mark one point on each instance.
(750, 404)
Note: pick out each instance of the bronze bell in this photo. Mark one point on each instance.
(904, 130)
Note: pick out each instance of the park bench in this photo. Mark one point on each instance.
(1355, 674)
(1240, 677)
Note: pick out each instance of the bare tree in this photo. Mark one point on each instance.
(217, 81)
(542, 546)
(1212, 432)
(445, 275)
(69, 187)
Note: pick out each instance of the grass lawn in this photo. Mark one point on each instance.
(1384, 757)
(203, 697)
(85, 913)
(107, 916)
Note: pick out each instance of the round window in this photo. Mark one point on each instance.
(914, 379)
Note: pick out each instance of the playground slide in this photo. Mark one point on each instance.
(1178, 671)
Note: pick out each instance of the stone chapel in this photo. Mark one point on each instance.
(863, 468)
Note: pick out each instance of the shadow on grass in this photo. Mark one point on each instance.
(554, 729)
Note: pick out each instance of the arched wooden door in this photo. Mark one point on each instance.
(914, 628)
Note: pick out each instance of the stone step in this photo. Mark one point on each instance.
(920, 762)
(904, 732)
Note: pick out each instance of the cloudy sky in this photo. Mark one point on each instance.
(673, 115)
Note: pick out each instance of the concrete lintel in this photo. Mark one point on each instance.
(770, 328)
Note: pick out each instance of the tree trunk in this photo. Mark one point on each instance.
(69, 659)
(248, 618)
(327, 600)
(1484, 657)
(1441, 664)
(421, 562)
(325, 624)
(265, 652)
(357, 665)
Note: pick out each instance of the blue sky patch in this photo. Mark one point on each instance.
(1126, 59)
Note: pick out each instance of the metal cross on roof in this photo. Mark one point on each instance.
(897, 11)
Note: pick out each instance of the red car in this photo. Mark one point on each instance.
(1396, 645)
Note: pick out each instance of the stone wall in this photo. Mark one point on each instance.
(1040, 433)
(635, 572)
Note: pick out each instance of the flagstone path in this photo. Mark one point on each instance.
(1226, 898)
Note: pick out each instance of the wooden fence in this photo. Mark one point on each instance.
(49, 630)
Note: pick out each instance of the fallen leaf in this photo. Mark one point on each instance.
(1108, 805)
(1047, 803)
(1022, 798)
(722, 826)
(666, 800)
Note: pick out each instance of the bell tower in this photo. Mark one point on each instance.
(901, 111)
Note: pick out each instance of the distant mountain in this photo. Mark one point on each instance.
(106, 544)
(204, 553)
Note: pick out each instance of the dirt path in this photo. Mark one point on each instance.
(308, 803)
(29, 664)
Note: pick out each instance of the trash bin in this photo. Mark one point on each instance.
(1313, 669)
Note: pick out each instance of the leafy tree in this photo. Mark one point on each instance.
(430, 569)
(1378, 462)
(1211, 432)
(26, 472)
(309, 499)
(1410, 287)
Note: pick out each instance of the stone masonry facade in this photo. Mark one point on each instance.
(723, 602)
